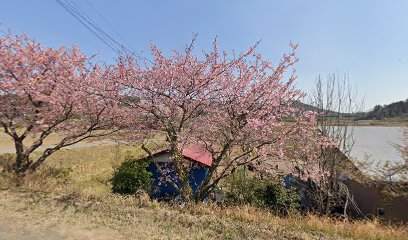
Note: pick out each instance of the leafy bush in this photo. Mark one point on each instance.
(280, 199)
(131, 176)
(268, 193)
(242, 189)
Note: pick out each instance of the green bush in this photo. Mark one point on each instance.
(131, 176)
(242, 189)
(267, 193)
(280, 199)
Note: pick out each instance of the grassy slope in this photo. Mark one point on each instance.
(74, 188)
(53, 138)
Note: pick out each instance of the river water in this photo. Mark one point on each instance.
(377, 142)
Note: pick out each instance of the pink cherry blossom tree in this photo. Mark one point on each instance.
(239, 107)
(45, 90)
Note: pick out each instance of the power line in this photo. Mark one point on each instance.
(84, 16)
(88, 24)
(131, 51)
(107, 23)
(84, 24)
(85, 20)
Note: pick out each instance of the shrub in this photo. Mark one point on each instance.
(132, 176)
(242, 189)
(280, 199)
(267, 193)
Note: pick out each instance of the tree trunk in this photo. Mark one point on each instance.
(186, 191)
(42, 158)
(22, 160)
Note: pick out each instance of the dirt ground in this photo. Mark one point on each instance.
(17, 227)
(20, 229)
(21, 218)
(34, 216)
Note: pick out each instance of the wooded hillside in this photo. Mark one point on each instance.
(396, 109)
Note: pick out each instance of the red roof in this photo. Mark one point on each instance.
(197, 153)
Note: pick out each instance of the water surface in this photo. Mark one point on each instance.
(378, 142)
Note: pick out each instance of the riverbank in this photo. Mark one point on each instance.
(398, 122)
(392, 122)
(70, 198)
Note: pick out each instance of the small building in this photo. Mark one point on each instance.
(199, 160)
(383, 199)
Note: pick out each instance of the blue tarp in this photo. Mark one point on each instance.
(163, 190)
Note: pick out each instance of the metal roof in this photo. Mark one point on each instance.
(195, 152)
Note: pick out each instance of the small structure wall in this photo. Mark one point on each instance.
(163, 190)
(371, 198)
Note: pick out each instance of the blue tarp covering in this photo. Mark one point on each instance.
(163, 190)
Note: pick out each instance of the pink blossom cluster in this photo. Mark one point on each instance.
(240, 107)
(45, 90)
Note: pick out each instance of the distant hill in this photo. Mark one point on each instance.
(309, 107)
(380, 112)
(393, 110)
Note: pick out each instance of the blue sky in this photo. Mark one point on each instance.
(366, 39)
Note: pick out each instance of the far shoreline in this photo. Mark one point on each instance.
(378, 123)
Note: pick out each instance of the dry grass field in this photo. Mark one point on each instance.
(70, 198)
